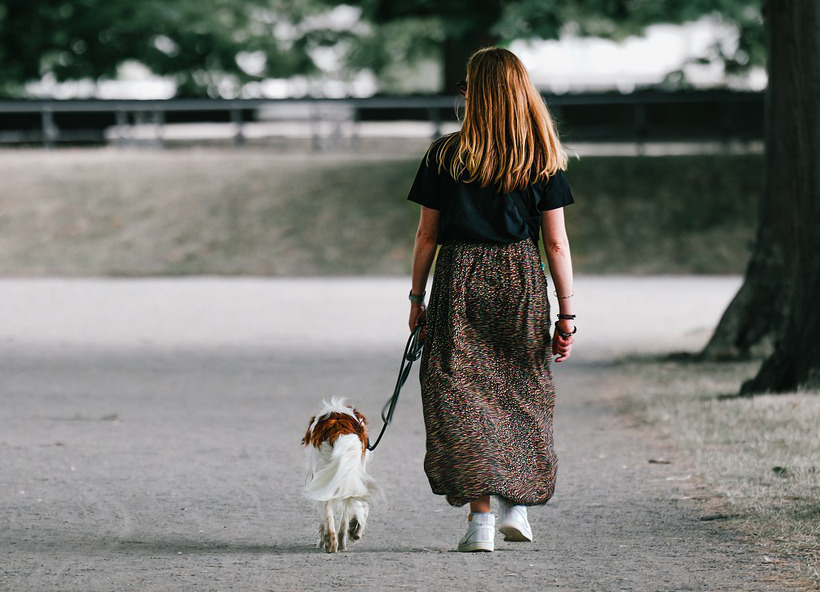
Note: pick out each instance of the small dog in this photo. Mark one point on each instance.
(336, 444)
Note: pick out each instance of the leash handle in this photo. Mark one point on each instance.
(412, 352)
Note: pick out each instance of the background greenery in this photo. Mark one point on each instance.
(120, 212)
(214, 47)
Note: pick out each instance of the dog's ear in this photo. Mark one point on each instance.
(306, 439)
(362, 430)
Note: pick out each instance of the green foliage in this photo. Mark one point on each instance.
(197, 42)
(405, 53)
(202, 43)
(473, 22)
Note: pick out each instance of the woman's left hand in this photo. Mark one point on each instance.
(418, 316)
(562, 346)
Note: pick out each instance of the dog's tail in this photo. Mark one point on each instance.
(338, 471)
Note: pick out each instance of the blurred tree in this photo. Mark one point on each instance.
(196, 42)
(207, 46)
(457, 28)
(757, 316)
(780, 298)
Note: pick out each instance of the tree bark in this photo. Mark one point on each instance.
(457, 50)
(793, 155)
(467, 28)
(757, 316)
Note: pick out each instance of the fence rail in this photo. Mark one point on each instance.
(637, 117)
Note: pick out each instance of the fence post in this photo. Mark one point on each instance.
(236, 118)
(159, 119)
(435, 119)
(50, 130)
(640, 126)
(121, 118)
(315, 126)
(354, 134)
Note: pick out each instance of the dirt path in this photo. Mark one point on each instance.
(149, 441)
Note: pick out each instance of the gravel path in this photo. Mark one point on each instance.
(149, 441)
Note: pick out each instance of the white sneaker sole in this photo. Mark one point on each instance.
(476, 546)
(513, 533)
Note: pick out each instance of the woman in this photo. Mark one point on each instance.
(486, 193)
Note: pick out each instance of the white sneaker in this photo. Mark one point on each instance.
(480, 533)
(513, 523)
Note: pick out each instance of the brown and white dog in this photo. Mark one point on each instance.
(336, 444)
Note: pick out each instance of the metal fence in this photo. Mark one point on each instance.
(637, 117)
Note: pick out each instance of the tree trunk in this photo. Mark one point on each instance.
(757, 315)
(457, 50)
(793, 37)
(467, 28)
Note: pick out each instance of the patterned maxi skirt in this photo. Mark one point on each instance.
(486, 383)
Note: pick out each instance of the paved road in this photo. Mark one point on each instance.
(149, 441)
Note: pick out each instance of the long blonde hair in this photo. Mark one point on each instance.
(508, 139)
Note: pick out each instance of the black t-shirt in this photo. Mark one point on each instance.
(475, 214)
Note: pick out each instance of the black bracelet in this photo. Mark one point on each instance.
(566, 317)
(417, 298)
(566, 335)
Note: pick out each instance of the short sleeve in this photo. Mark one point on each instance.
(426, 189)
(553, 194)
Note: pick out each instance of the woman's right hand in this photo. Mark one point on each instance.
(562, 346)
(418, 316)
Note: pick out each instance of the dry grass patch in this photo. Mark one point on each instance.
(111, 212)
(251, 212)
(761, 453)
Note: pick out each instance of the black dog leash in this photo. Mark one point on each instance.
(412, 352)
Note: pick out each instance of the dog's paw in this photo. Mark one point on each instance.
(330, 541)
(355, 530)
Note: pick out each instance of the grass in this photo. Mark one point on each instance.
(244, 212)
(690, 214)
(208, 212)
(761, 454)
